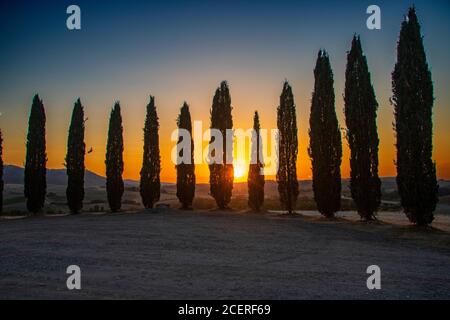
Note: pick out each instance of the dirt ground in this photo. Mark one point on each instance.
(220, 255)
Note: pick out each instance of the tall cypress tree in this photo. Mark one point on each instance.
(361, 120)
(150, 184)
(413, 104)
(221, 174)
(1, 172)
(35, 184)
(186, 171)
(255, 180)
(325, 148)
(287, 150)
(114, 160)
(75, 160)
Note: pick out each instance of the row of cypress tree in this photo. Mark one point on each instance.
(325, 147)
(413, 102)
(36, 159)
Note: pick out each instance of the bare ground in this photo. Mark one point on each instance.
(219, 255)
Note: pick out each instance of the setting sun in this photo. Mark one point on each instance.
(239, 171)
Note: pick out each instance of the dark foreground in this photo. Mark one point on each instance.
(214, 255)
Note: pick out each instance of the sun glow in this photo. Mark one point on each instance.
(239, 171)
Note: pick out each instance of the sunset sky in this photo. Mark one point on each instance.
(182, 50)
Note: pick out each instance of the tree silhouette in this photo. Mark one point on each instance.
(151, 164)
(255, 180)
(287, 150)
(114, 160)
(186, 171)
(35, 184)
(1, 172)
(221, 174)
(325, 148)
(413, 104)
(361, 120)
(75, 160)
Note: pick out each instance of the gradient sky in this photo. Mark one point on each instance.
(181, 50)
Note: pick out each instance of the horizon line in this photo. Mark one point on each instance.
(200, 183)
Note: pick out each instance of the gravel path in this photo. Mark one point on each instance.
(217, 255)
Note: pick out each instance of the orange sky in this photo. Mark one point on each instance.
(244, 106)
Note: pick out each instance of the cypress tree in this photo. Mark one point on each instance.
(325, 149)
(360, 116)
(35, 184)
(287, 150)
(413, 104)
(186, 171)
(114, 160)
(75, 159)
(221, 174)
(255, 180)
(1, 172)
(151, 164)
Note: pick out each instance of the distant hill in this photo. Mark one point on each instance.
(14, 175)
